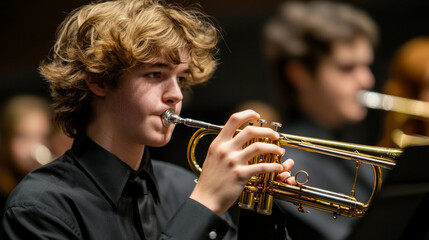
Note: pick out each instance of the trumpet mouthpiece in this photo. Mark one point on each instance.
(168, 118)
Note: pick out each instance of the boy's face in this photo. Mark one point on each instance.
(143, 95)
(339, 78)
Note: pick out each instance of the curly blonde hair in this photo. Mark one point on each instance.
(103, 40)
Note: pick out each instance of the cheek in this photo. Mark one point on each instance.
(140, 107)
(22, 156)
(19, 149)
(127, 105)
(334, 87)
(343, 89)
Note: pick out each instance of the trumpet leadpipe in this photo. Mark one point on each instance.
(169, 118)
(386, 102)
(382, 157)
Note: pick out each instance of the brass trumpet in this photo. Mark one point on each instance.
(261, 190)
(412, 107)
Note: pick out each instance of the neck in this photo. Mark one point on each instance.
(316, 111)
(104, 132)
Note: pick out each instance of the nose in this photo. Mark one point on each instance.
(365, 77)
(173, 93)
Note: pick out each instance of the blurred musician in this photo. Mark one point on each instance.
(319, 55)
(409, 78)
(25, 127)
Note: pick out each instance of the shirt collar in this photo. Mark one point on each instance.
(108, 171)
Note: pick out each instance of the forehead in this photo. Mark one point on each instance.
(170, 59)
(358, 50)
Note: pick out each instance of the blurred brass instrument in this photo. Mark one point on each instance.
(261, 190)
(413, 108)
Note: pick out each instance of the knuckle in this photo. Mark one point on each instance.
(250, 130)
(257, 147)
(222, 153)
(234, 117)
(230, 162)
(239, 175)
(263, 168)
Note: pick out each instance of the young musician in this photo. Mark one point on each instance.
(320, 54)
(117, 66)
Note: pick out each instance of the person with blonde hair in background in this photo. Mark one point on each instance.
(408, 78)
(319, 55)
(25, 128)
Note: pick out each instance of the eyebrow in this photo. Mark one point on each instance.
(168, 66)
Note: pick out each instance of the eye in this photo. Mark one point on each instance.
(183, 82)
(346, 68)
(154, 75)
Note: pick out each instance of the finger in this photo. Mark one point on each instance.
(288, 164)
(286, 178)
(254, 169)
(291, 180)
(281, 177)
(251, 132)
(259, 148)
(235, 121)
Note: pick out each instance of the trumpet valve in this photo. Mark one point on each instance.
(276, 126)
(261, 122)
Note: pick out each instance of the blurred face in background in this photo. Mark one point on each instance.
(28, 141)
(25, 129)
(338, 79)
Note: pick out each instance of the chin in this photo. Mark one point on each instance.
(358, 115)
(160, 144)
(161, 141)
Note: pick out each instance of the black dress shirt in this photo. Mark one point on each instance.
(81, 196)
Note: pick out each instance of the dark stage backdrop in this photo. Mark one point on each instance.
(28, 28)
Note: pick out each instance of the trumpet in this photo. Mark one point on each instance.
(262, 189)
(412, 107)
(407, 108)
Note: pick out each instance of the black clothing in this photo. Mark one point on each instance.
(3, 199)
(81, 196)
(144, 201)
(88, 193)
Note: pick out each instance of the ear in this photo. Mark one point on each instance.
(298, 74)
(96, 88)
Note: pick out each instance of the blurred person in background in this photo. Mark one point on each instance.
(25, 127)
(319, 54)
(409, 78)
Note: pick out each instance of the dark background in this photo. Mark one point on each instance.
(28, 29)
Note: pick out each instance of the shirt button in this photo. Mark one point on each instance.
(212, 235)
